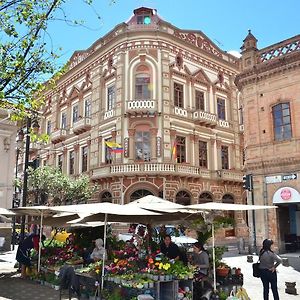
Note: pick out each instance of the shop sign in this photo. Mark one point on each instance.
(286, 195)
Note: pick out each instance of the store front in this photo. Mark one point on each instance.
(288, 201)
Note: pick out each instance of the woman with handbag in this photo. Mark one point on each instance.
(268, 264)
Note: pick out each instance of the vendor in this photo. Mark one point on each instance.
(169, 249)
(200, 259)
(99, 251)
(23, 252)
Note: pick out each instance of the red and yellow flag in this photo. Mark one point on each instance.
(174, 151)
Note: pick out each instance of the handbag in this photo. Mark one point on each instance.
(256, 270)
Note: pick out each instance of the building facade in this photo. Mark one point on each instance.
(269, 83)
(167, 97)
(8, 131)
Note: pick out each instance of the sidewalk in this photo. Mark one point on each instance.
(17, 289)
(254, 285)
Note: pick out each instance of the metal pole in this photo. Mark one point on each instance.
(104, 245)
(253, 215)
(40, 242)
(14, 201)
(25, 175)
(214, 255)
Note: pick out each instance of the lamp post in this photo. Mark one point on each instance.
(25, 174)
(16, 202)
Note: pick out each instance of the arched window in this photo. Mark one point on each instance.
(106, 197)
(142, 83)
(139, 194)
(142, 143)
(183, 198)
(205, 197)
(229, 214)
(227, 199)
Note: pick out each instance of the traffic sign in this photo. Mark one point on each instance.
(273, 179)
(289, 176)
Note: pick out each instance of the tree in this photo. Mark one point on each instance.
(50, 185)
(26, 59)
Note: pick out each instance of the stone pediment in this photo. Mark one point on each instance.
(200, 75)
(74, 92)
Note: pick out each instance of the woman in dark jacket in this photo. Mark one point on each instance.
(268, 264)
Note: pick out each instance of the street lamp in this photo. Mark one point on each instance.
(25, 174)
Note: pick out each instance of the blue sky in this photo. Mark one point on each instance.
(224, 22)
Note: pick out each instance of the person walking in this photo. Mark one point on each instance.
(269, 261)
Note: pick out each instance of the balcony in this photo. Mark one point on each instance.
(141, 106)
(150, 169)
(58, 135)
(205, 118)
(224, 124)
(230, 175)
(109, 114)
(82, 125)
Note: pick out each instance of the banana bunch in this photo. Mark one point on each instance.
(242, 294)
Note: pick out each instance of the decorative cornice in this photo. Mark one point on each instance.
(268, 69)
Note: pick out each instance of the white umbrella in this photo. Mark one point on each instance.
(100, 212)
(154, 203)
(6, 212)
(215, 207)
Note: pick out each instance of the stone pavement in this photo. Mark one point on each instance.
(254, 285)
(14, 288)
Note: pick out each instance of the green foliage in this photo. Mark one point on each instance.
(50, 184)
(26, 56)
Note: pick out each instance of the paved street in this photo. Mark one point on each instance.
(14, 288)
(254, 285)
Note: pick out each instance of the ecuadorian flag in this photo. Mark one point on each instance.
(114, 147)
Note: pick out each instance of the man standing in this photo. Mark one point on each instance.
(169, 249)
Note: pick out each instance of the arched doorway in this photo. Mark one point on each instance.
(139, 194)
(227, 198)
(106, 197)
(183, 198)
(205, 197)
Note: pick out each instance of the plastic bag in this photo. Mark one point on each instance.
(232, 296)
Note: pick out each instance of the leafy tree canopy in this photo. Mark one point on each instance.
(50, 185)
(26, 56)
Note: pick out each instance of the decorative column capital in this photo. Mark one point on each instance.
(131, 132)
(154, 131)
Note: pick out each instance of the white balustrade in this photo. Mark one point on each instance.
(109, 114)
(205, 116)
(180, 111)
(223, 123)
(141, 104)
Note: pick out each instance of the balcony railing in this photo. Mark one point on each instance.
(82, 125)
(141, 106)
(150, 168)
(205, 118)
(58, 135)
(109, 114)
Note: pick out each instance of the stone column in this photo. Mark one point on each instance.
(131, 133)
(153, 133)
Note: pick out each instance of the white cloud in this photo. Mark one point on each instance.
(235, 53)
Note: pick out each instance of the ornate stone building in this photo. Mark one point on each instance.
(8, 131)
(269, 83)
(167, 97)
